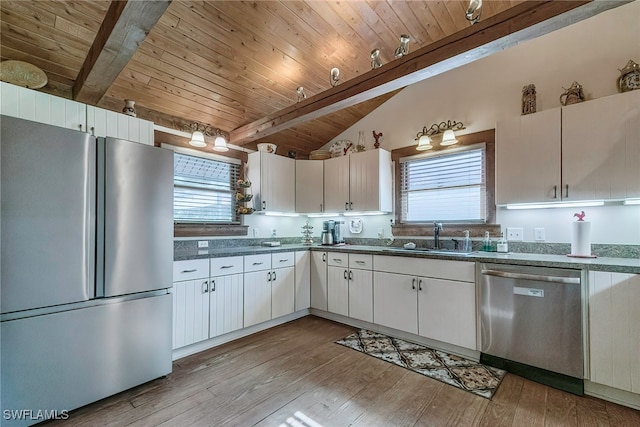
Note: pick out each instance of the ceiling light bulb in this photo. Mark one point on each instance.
(197, 139)
(220, 144)
(449, 138)
(424, 143)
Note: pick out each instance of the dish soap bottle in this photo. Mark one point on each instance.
(466, 243)
(502, 244)
(486, 243)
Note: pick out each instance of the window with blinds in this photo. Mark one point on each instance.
(445, 187)
(204, 190)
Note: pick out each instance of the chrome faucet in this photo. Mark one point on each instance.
(437, 228)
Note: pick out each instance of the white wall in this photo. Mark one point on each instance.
(480, 93)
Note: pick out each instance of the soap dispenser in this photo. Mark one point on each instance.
(466, 243)
(502, 244)
(486, 243)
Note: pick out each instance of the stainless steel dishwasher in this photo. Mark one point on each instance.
(531, 323)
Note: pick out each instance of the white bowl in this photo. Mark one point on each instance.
(410, 245)
(268, 147)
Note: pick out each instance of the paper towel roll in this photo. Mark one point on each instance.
(581, 238)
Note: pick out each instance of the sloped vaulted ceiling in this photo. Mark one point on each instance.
(235, 65)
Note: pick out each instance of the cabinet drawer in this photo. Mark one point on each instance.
(257, 262)
(190, 269)
(282, 259)
(338, 259)
(361, 261)
(226, 265)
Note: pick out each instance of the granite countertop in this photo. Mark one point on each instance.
(621, 265)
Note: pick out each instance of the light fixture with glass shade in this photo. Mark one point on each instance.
(445, 128)
(198, 133)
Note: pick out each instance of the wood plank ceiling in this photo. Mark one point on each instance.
(229, 63)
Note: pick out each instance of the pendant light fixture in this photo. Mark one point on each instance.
(220, 143)
(197, 139)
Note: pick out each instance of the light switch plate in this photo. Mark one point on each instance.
(515, 234)
(538, 234)
(203, 244)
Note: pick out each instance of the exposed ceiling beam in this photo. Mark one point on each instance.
(125, 26)
(522, 22)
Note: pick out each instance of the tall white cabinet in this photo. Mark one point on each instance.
(309, 186)
(318, 279)
(358, 182)
(273, 181)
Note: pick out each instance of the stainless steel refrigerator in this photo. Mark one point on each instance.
(86, 231)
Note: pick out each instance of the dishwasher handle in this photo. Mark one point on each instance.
(536, 277)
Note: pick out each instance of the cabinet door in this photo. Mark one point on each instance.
(614, 329)
(319, 280)
(277, 183)
(395, 303)
(370, 181)
(447, 311)
(226, 306)
(303, 280)
(282, 291)
(257, 297)
(594, 148)
(190, 312)
(528, 158)
(309, 186)
(338, 290)
(336, 184)
(632, 157)
(361, 294)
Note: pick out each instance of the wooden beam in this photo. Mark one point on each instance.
(522, 22)
(125, 26)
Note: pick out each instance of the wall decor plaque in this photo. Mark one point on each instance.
(23, 74)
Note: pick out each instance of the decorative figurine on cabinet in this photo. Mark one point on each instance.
(529, 99)
(573, 95)
(376, 136)
(629, 77)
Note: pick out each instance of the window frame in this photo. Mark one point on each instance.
(202, 229)
(452, 228)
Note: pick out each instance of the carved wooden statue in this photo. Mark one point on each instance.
(529, 99)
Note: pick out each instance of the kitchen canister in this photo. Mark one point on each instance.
(581, 237)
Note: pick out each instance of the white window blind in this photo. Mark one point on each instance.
(204, 190)
(447, 187)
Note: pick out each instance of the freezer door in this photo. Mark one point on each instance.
(47, 216)
(138, 217)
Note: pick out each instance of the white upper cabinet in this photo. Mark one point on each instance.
(585, 151)
(601, 148)
(359, 182)
(528, 158)
(28, 104)
(309, 188)
(272, 182)
(101, 122)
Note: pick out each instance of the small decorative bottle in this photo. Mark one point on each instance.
(502, 244)
(486, 243)
(466, 243)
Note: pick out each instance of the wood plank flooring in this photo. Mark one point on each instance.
(294, 375)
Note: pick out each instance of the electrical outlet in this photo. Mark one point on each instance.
(515, 233)
(256, 233)
(273, 232)
(203, 243)
(380, 233)
(539, 234)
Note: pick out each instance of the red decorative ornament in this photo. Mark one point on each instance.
(376, 136)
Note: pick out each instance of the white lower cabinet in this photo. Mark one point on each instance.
(282, 291)
(614, 330)
(257, 297)
(302, 280)
(226, 304)
(338, 290)
(394, 301)
(318, 279)
(190, 312)
(431, 298)
(447, 311)
(361, 294)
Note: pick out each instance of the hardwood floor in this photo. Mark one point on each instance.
(294, 375)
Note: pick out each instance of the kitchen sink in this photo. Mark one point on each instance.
(430, 251)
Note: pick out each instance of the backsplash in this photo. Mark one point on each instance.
(600, 250)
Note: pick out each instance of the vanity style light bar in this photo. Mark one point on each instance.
(632, 202)
(556, 205)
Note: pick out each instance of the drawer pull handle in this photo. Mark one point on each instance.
(258, 263)
(284, 260)
(189, 271)
(360, 262)
(337, 259)
(227, 266)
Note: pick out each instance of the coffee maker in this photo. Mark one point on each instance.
(332, 232)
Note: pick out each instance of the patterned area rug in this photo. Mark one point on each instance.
(450, 369)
